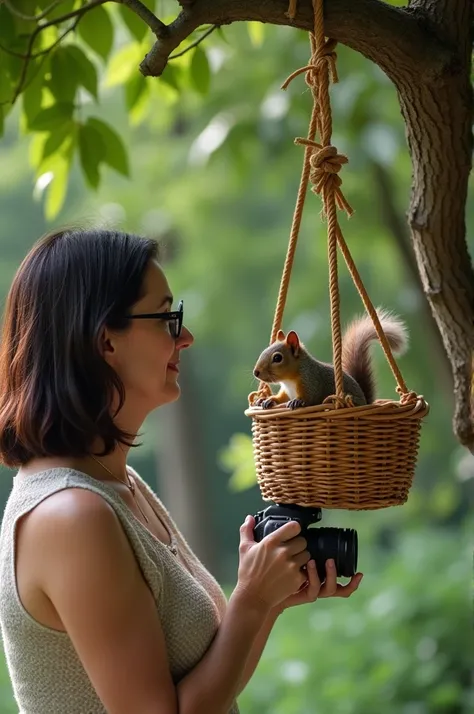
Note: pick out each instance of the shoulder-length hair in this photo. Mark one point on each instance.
(56, 389)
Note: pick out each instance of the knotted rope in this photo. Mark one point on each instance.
(321, 167)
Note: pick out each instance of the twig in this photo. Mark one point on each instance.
(42, 52)
(3, 104)
(195, 43)
(29, 18)
(157, 26)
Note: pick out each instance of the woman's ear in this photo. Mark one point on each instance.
(106, 344)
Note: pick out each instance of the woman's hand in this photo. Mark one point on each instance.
(272, 569)
(312, 589)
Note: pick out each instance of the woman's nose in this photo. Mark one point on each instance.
(185, 339)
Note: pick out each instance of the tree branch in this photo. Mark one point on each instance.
(387, 35)
(157, 27)
(194, 44)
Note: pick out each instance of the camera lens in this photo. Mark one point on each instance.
(337, 543)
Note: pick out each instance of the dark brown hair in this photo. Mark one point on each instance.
(55, 387)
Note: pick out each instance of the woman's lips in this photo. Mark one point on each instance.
(173, 367)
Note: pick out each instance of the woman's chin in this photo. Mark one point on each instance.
(171, 392)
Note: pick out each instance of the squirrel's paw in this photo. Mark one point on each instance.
(295, 403)
(268, 403)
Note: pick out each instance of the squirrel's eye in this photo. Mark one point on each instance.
(277, 357)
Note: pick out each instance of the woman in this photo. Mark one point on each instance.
(103, 606)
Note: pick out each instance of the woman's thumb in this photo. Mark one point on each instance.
(246, 530)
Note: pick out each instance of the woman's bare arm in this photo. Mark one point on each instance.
(90, 574)
(258, 646)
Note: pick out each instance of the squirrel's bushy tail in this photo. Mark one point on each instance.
(356, 358)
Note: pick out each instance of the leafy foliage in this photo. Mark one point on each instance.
(52, 68)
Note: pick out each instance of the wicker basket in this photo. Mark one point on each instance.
(356, 458)
(333, 455)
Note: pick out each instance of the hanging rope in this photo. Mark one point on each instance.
(321, 167)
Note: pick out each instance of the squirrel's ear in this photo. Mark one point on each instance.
(292, 340)
(280, 335)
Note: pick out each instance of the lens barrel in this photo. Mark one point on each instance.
(338, 543)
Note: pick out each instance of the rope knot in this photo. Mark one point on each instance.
(407, 397)
(339, 402)
(327, 160)
(323, 59)
(325, 166)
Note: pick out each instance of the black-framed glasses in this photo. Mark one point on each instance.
(174, 319)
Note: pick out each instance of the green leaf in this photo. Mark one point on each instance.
(256, 32)
(53, 116)
(200, 71)
(134, 89)
(33, 95)
(57, 139)
(115, 153)
(237, 457)
(97, 31)
(63, 8)
(123, 64)
(85, 69)
(92, 151)
(2, 122)
(55, 176)
(137, 27)
(64, 75)
(170, 76)
(6, 88)
(7, 27)
(57, 189)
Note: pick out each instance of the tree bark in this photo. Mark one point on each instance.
(438, 118)
(393, 220)
(425, 49)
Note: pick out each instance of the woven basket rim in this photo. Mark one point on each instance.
(380, 409)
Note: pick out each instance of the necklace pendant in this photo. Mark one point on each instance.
(131, 486)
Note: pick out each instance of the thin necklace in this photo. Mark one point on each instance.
(128, 484)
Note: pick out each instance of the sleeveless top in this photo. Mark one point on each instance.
(46, 673)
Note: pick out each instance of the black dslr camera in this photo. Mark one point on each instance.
(323, 543)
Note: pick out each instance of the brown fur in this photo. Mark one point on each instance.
(356, 359)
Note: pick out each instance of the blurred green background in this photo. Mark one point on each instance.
(213, 174)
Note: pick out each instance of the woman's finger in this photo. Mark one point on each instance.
(343, 590)
(314, 583)
(330, 586)
(351, 587)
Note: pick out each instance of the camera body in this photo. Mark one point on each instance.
(341, 544)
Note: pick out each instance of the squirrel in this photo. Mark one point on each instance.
(305, 381)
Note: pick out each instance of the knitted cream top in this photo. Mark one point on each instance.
(46, 673)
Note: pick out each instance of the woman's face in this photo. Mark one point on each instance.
(146, 355)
